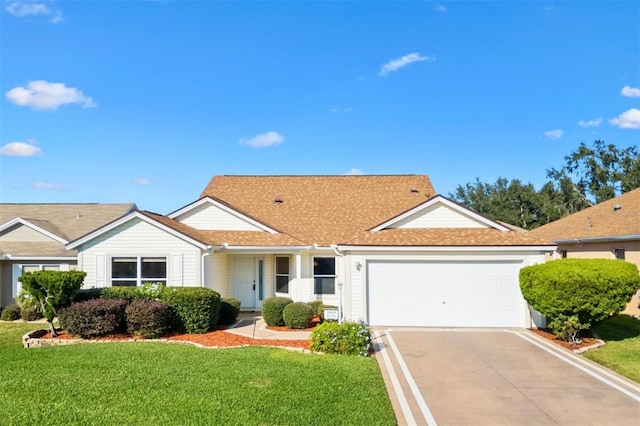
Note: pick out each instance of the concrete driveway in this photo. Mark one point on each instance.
(498, 377)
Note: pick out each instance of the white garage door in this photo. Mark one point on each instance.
(445, 294)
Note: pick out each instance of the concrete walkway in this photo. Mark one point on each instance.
(251, 324)
(498, 377)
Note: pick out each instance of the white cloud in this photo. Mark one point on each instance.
(629, 119)
(553, 134)
(354, 172)
(22, 9)
(142, 181)
(342, 109)
(398, 63)
(440, 8)
(630, 92)
(49, 186)
(263, 140)
(590, 123)
(19, 149)
(42, 94)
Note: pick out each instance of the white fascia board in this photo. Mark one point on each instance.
(36, 228)
(127, 218)
(41, 258)
(447, 248)
(612, 238)
(446, 202)
(265, 249)
(209, 200)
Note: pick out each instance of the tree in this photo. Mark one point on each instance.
(52, 290)
(600, 172)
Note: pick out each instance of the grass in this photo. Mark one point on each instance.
(622, 351)
(155, 383)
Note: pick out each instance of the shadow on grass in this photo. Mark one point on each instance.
(618, 327)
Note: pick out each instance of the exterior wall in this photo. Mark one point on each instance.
(21, 233)
(355, 302)
(9, 269)
(210, 217)
(216, 273)
(138, 238)
(438, 216)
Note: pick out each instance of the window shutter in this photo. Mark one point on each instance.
(101, 270)
(16, 272)
(176, 269)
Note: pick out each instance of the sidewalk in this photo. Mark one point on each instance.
(251, 324)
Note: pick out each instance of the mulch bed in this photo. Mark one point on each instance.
(217, 338)
(547, 334)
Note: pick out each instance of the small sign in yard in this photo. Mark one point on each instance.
(331, 314)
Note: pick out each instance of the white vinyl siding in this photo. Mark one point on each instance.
(214, 218)
(438, 216)
(22, 233)
(138, 238)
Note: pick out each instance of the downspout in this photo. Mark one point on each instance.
(340, 284)
(205, 254)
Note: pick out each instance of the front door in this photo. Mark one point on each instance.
(243, 281)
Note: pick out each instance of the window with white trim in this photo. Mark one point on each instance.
(135, 271)
(324, 275)
(282, 274)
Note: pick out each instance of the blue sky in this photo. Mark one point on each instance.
(145, 101)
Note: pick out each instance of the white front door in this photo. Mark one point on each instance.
(244, 281)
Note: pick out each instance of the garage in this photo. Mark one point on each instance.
(445, 294)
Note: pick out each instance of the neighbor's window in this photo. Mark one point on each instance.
(134, 271)
(563, 254)
(282, 274)
(324, 275)
(618, 253)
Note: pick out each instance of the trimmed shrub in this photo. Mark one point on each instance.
(318, 307)
(85, 294)
(272, 308)
(348, 338)
(10, 313)
(147, 318)
(31, 314)
(96, 317)
(589, 289)
(297, 315)
(568, 328)
(229, 310)
(130, 294)
(193, 309)
(30, 308)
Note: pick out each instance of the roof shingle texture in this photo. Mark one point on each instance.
(446, 237)
(601, 220)
(321, 209)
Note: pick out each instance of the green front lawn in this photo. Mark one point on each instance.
(156, 383)
(622, 351)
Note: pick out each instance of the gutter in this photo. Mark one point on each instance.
(205, 254)
(598, 239)
(340, 283)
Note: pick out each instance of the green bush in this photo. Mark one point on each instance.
(272, 308)
(147, 318)
(30, 308)
(590, 289)
(194, 309)
(130, 294)
(318, 307)
(568, 328)
(85, 294)
(297, 315)
(229, 310)
(10, 313)
(30, 314)
(96, 317)
(347, 338)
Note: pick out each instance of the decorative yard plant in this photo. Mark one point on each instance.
(52, 290)
(348, 338)
(577, 293)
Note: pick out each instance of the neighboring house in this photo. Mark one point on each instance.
(388, 249)
(33, 237)
(608, 230)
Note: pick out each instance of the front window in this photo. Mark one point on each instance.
(324, 275)
(619, 254)
(282, 274)
(135, 271)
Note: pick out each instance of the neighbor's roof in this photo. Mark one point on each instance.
(68, 221)
(321, 209)
(441, 237)
(617, 217)
(35, 249)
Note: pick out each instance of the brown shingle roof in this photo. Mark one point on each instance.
(601, 220)
(321, 209)
(446, 237)
(68, 221)
(35, 249)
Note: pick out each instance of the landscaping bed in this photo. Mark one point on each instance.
(585, 343)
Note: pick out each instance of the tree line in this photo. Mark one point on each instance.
(590, 175)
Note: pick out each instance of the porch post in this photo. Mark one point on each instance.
(298, 274)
